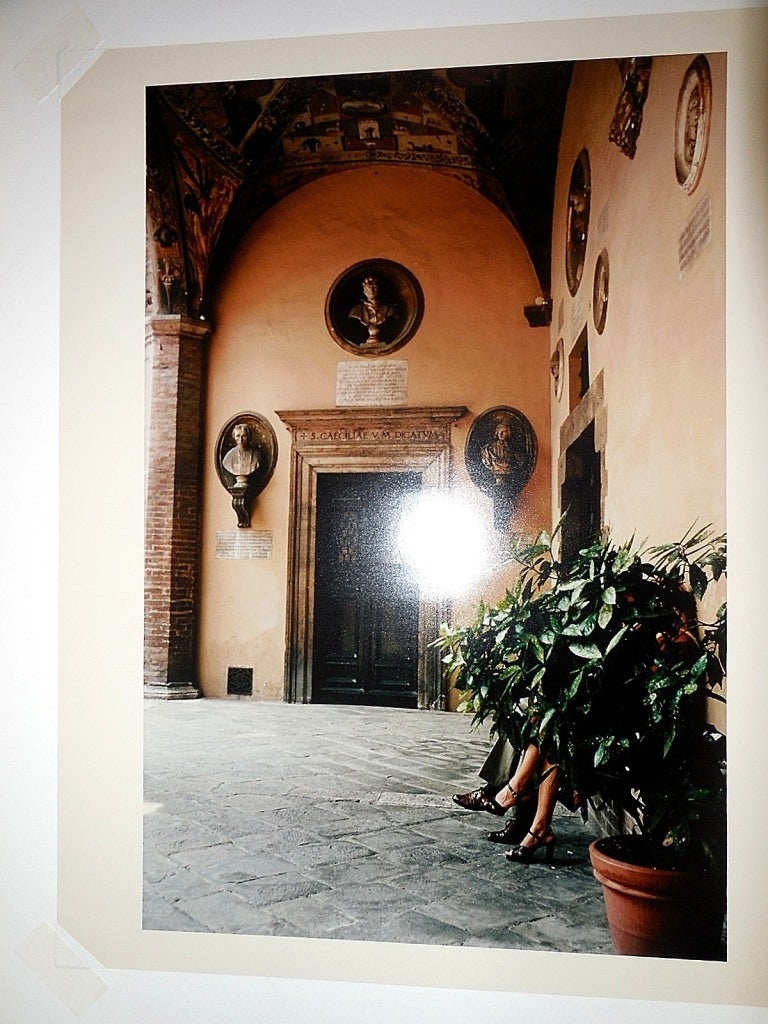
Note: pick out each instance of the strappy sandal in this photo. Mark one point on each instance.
(516, 828)
(524, 854)
(513, 832)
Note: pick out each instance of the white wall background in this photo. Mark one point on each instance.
(31, 68)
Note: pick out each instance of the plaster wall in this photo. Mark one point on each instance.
(271, 350)
(662, 352)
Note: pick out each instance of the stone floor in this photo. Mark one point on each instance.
(337, 822)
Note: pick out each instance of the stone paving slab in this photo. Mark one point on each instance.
(227, 863)
(267, 892)
(272, 839)
(314, 913)
(411, 926)
(336, 822)
(165, 916)
(225, 912)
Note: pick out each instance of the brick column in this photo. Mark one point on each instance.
(175, 359)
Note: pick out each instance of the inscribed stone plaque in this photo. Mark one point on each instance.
(695, 235)
(579, 314)
(242, 544)
(604, 219)
(372, 383)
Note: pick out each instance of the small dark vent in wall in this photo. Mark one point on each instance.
(239, 682)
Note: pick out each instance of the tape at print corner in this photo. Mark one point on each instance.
(61, 968)
(65, 47)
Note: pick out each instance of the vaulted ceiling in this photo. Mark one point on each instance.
(220, 154)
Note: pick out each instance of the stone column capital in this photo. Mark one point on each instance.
(176, 325)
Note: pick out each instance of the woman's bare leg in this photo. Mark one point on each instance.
(545, 805)
(530, 763)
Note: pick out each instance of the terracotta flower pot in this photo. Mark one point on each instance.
(657, 912)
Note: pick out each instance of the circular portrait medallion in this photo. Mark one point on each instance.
(600, 292)
(501, 451)
(557, 368)
(374, 307)
(577, 223)
(246, 453)
(692, 122)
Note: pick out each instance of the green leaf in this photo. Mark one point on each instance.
(581, 628)
(575, 684)
(546, 720)
(538, 678)
(623, 560)
(570, 585)
(669, 740)
(616, 638)
(602, 750)
(604, 616)
(590, 652)
(699, 666)
(718, 563)
(699, 581)
(609, 595)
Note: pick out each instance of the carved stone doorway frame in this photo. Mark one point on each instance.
(358, 440)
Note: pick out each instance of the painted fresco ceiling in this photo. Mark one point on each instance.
(220, 154)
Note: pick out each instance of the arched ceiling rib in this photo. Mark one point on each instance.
(220, 154)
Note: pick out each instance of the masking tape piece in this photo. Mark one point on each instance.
(58, 53)
(61, 968)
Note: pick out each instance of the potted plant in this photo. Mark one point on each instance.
(606, 659)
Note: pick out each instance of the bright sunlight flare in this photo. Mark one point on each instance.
(443, 539)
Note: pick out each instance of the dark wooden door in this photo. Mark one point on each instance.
(580, 494)
(366, 611)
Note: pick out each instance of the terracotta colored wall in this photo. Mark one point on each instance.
(662, 350)
(271, 350)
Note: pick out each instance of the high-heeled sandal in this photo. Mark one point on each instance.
(516, 828)
(524, 854)
(513, 832)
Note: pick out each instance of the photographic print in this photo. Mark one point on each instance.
(411, 696)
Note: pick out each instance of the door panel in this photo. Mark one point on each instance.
(580, 494)
(366, 602)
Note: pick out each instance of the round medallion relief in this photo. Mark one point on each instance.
(692, 123)
(374, 307)
(600, 292)
(501, 451)
(577, 223)
(246, 452)
(557, 368)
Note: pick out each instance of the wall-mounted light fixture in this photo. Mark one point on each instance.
(540, 313)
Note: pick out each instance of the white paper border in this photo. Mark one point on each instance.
(102, 378)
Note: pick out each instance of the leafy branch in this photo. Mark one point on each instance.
(603, 661)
